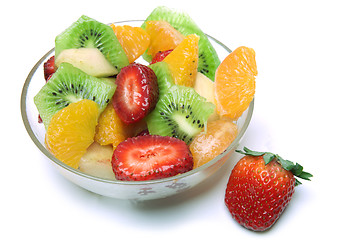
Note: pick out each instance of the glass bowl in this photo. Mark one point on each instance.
(131, 190)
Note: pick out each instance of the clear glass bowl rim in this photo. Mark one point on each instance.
(149, 182)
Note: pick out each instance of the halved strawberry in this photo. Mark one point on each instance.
(151, 157)
(49, 67)
(160, 56)
(136, 94)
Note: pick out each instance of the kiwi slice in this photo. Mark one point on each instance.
(164, 76)
(89, 33)
(69, 84)
(181, 112)
(208, 58)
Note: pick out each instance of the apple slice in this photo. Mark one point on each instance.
(97, 161)
(89, 60)
(206, 88)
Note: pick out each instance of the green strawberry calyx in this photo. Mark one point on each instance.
(296, 169)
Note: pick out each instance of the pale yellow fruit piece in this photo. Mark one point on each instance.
(206, 88)
(89, 60)
(97, 161)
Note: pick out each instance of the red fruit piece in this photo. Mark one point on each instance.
(260, 186)
(136, 94)
(160, 56)
(151, 157)
(49, 77)
(49, 67)
(143, 133)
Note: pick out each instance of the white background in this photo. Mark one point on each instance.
(306, 110)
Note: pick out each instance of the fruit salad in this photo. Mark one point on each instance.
(110, 115)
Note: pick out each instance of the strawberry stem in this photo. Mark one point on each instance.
(296, 169)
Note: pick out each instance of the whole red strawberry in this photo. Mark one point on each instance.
(160, 56)
(260, 186)
(136, 94)
(149, 157)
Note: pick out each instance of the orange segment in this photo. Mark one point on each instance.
(71, 131)
(183, 61)
(207, 145)
(162, 36)
(110, 129)
(134, 40)
(235, 82)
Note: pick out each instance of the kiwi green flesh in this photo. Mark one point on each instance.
(164, 76)
(208, 58)
(69, 84)
(89, 33)
(180, 113)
